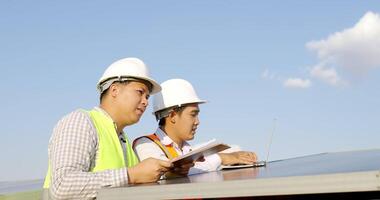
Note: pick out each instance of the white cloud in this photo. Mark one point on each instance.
(297, 83)
(328, 75)
(356, 50)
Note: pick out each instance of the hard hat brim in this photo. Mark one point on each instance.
(179, 105)
(155, 86)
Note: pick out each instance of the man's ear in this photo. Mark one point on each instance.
(114, 90)
(173, 117)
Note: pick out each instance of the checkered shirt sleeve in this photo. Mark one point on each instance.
(72, 154)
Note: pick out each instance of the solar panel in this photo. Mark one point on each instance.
(335, 172)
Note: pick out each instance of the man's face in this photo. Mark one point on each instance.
(187, 122)
(132, 100)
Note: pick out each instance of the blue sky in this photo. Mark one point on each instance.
(313, 65)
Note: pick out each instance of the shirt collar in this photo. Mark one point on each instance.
(166, 140)
(107, 115)
(102, 111)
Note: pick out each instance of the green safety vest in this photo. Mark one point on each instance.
(110, 153)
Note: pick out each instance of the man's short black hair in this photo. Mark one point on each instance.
(106, 91)
(177, 109)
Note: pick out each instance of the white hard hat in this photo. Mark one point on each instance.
(175, 92)
(124, 69)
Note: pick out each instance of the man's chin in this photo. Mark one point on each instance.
(191, 137)
(134, 121)
(137, 120)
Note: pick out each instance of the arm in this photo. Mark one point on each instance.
(210, 163)
(72, 154)
(238, 157)
(146, 148)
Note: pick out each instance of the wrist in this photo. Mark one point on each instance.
(131, 177)
(223, 158)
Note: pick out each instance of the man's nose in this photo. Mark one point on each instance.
(145, 101)
(197, 121)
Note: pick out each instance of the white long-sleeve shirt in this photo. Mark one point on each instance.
(146, 148)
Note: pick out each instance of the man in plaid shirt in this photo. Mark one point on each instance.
(83, 154)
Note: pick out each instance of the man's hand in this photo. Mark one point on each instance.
(179, 171)
(239, 157)
(182, 170)
(149, 170)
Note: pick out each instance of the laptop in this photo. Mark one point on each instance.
(261, 163)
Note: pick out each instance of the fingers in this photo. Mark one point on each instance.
(201, 159)
(249, 156)
(165, 164)
(246, 157)
(184, 168)
(164, 167)
(149, 170)
(245, 161)
(187, 166)
(252, 155)
(161, 173)
(180, 171)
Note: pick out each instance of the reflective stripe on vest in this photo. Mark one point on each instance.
(169, 150)
(110, 153)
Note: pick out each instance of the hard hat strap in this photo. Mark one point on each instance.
(164, 113)
(108, 82)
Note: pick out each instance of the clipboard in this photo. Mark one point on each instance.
(209, 149)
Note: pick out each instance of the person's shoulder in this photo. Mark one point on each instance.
(142, 140)
(78, 115)
(146, 148)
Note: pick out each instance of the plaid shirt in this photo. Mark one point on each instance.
(73, 149)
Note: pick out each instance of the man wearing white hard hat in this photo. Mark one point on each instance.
(176, 108)
(89, 150)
